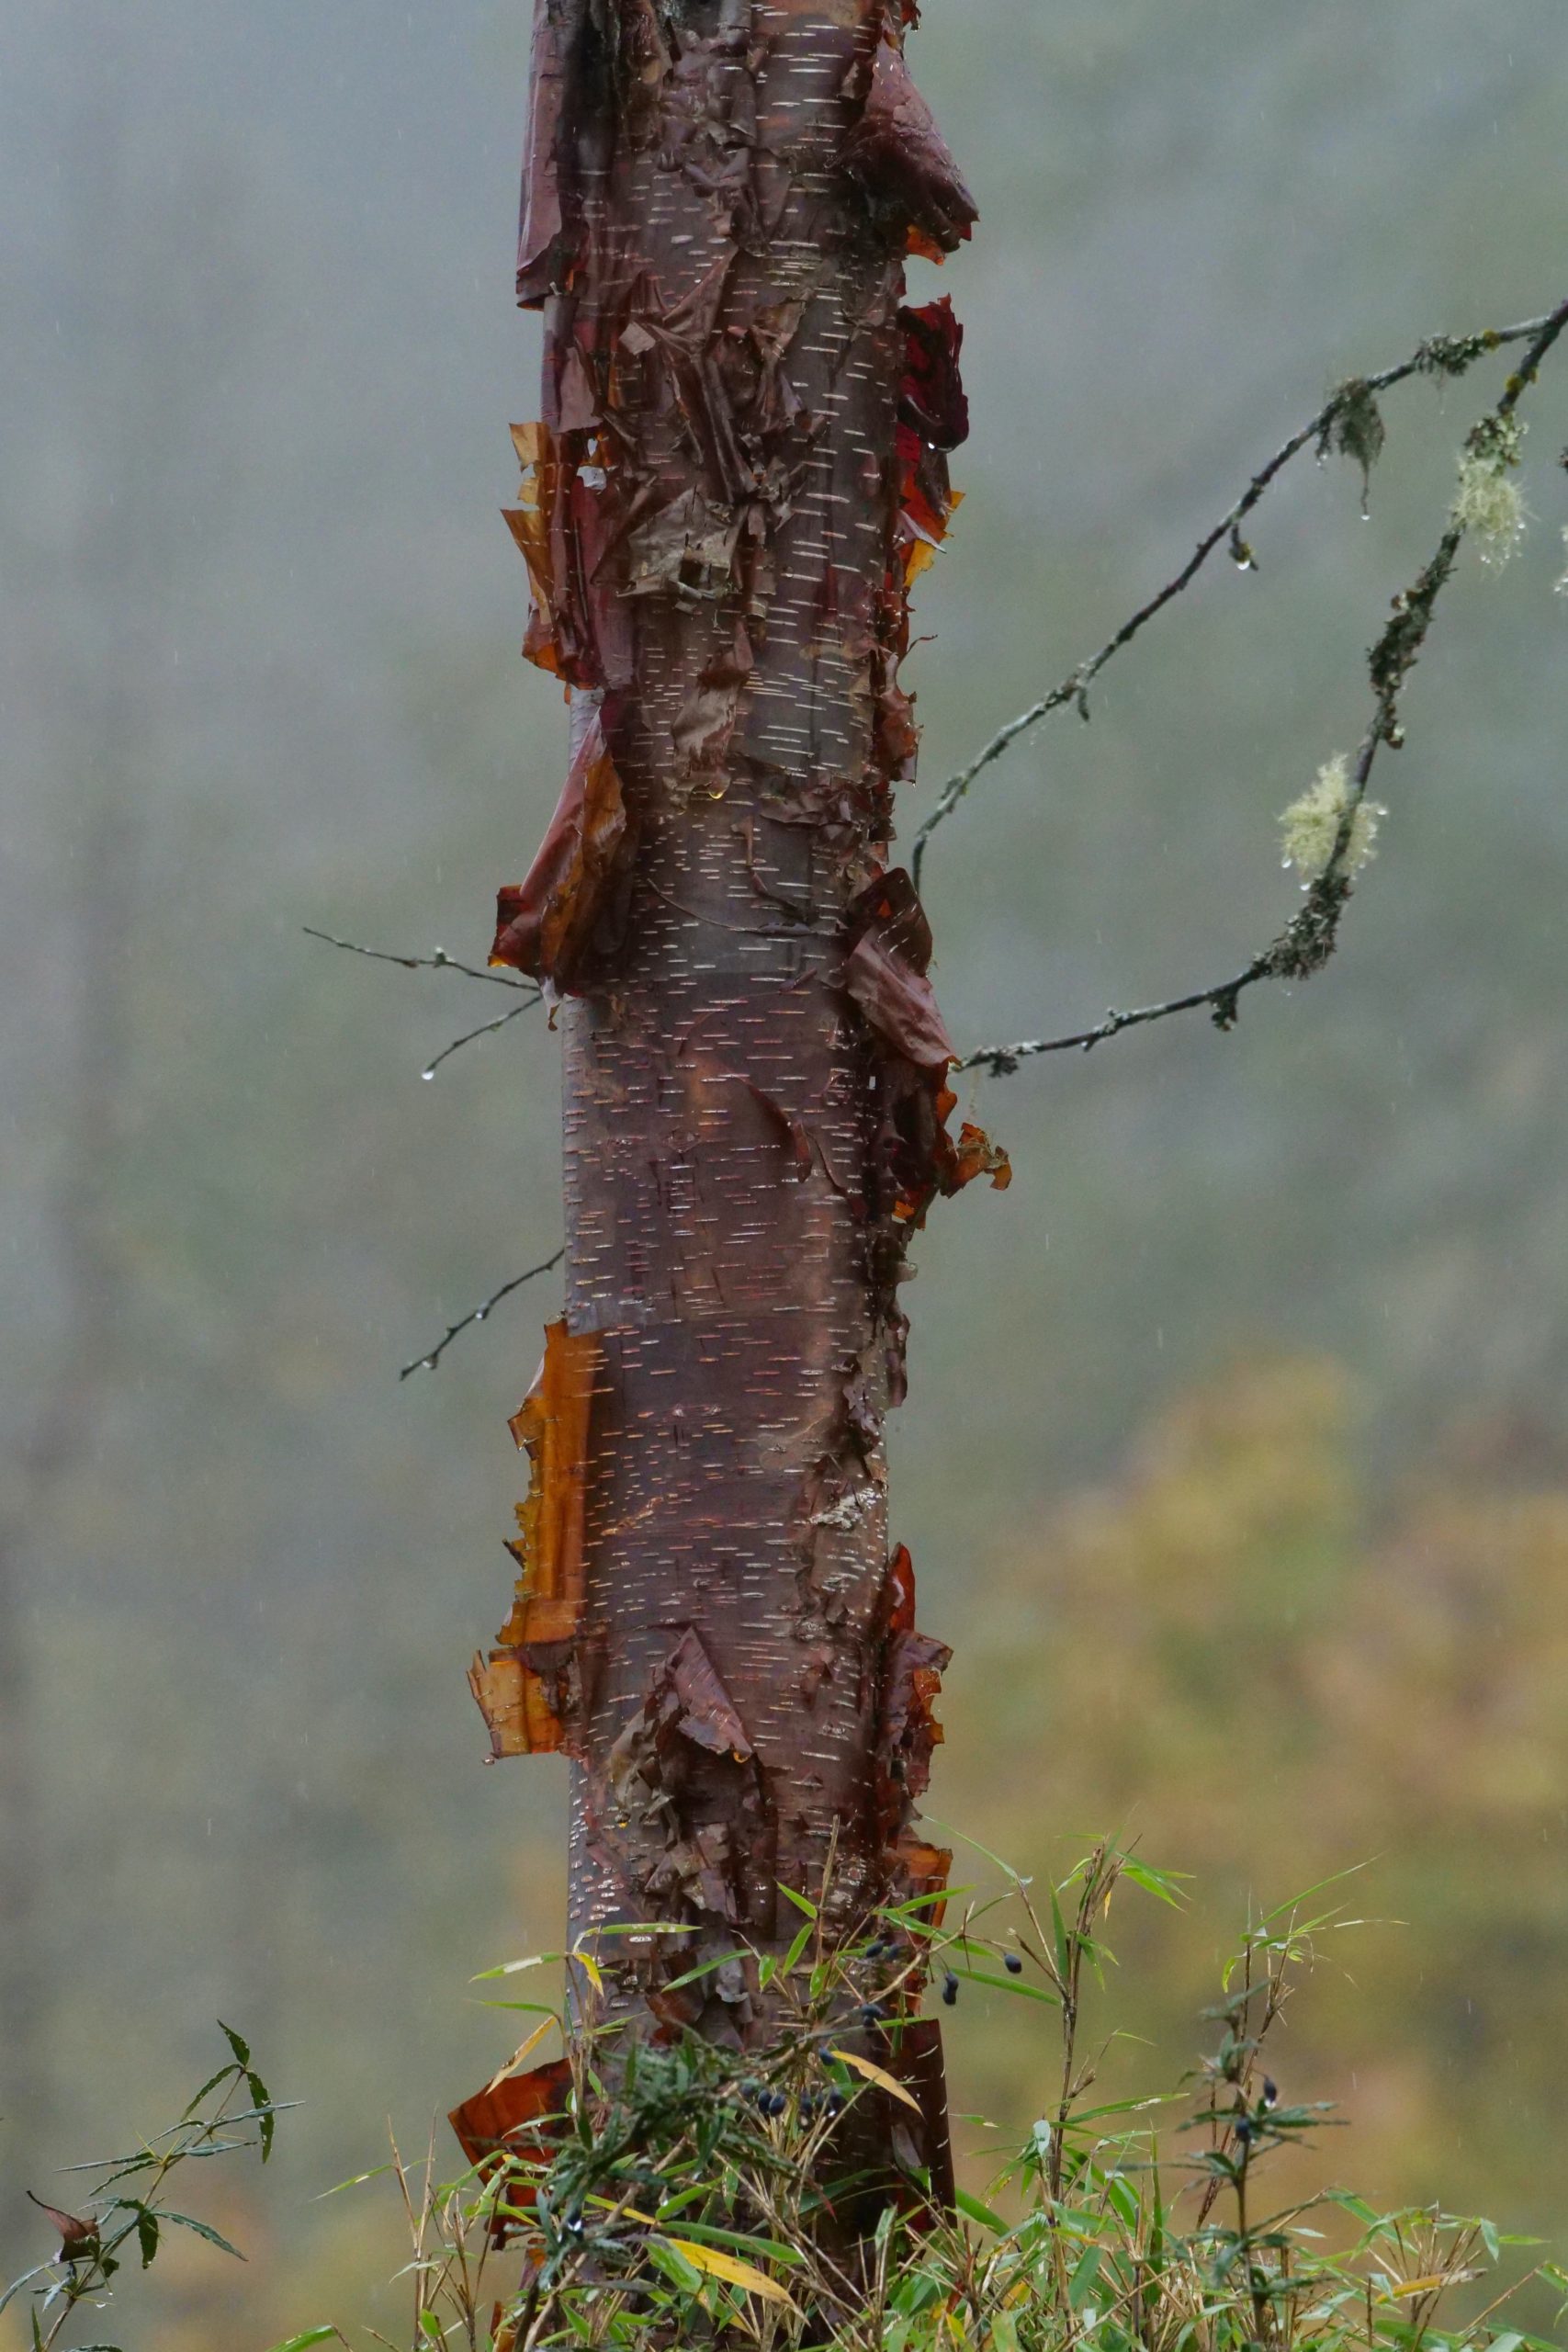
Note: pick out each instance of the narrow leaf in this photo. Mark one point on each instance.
(710, 2233)
(876, 2075)
(514, 2063)
(1162, 1885)
(733, 2272)
(1082, 2283)
(40, 2270)
(266, 2114)
(205, 2230)
(1013, 1985)
(222, 2076)
(984, 2214)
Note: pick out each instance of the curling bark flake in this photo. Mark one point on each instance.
(740, 471)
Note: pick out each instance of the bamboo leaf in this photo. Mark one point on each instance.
(357, 2181)
(266, 2114)
(708, 2233)
(792, 1958)
(1082, 2283)
(1059, 1936)
(42, 2270)
(212, 2083)
(731, 2269)
(984, 2214)
(1013, 1985)
(1163, 1884)
(525, 2050)
(205, 2230)
(705, 1968)
(876, 2075)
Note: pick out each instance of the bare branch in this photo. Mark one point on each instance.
(1002, 1061)
(1311, 936)
(429, 1363)
(438, 962)
(485, 1030)
(1334, 426)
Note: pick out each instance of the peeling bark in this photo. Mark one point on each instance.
(534, 1688)
(741, 470)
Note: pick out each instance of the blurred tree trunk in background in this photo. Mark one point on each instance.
(151, 253)
(55, 1450)
(740, 469)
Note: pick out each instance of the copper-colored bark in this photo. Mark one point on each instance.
(530, 1688)
(740, 469)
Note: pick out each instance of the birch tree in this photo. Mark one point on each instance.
(739, 471)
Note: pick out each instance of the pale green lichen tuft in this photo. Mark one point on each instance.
(1312, 825)
(1488, 505)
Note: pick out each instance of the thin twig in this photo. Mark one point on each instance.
(1310, 937)
(438, 962)
(485, 1029)
(429, 1362)
(1440, 356)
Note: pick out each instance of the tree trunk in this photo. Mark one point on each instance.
(740, 469)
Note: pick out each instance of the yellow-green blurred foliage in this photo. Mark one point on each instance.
(1224, 1651)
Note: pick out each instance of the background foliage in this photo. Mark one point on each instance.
(1235, 1463)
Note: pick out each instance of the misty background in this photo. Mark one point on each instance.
(1236, 1457)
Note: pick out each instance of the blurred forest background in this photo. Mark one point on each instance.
(1236, 1461)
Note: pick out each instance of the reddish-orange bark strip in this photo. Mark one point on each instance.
(564, 924)
(519, 2118)
(531, 1687)
(741, 467)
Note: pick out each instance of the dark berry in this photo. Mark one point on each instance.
(950, 1990)
(1013, 1964)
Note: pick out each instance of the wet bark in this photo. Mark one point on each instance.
(739, 470)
